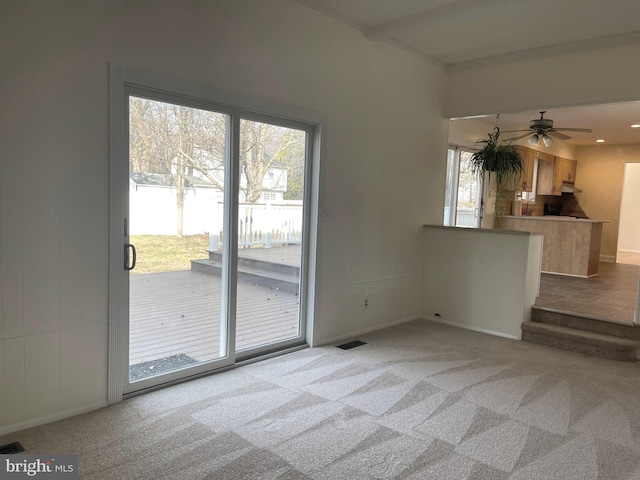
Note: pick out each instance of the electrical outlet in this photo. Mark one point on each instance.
(366, 303)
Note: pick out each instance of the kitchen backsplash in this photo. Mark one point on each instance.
(566, 204)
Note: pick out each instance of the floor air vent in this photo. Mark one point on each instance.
(350, 345)
(10, 448)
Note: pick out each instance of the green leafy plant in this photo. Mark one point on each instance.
(497, 156)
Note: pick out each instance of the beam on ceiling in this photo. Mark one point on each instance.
(426, 17)
(600, 43)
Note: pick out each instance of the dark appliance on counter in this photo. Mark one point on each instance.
(552, 208)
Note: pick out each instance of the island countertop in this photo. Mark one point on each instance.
(571, 246)
(553, 218)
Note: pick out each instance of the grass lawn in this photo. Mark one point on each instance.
(160, 253)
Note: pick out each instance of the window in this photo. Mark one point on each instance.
(463, 190)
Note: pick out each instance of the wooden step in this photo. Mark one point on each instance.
(250, 263)
(264, 278)
(582, 341)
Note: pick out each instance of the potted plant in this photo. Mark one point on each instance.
(498, 157)
(502, 159)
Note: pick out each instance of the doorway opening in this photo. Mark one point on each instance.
(628, 251)
(612, 294)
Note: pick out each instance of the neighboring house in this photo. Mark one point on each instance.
(274, 184)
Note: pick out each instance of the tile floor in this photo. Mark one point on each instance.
(611, 295)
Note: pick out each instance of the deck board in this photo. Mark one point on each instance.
(179, 312)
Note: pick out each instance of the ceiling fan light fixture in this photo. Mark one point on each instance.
(533, 140)
(547, 140)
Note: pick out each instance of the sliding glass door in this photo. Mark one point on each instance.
(177, 176)
(270, 226)
(214, 236)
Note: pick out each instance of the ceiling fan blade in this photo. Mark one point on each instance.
(513, 131)
(583, 130)
(517, 138)
(561, 136)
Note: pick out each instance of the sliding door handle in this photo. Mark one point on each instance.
(127, 247)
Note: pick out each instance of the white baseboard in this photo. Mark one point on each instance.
(568, 274)
(469, 327)
(366, 330)
(608, 258)
(628, 250)
(36, 422)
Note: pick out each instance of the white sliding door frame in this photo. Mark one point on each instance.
(126, 82)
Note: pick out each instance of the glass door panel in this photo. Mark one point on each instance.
(469, 193)
(177, 160)
(451, 187)
(270, 213)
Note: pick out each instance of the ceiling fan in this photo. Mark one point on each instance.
(542, 129)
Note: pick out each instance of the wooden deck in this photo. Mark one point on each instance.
(176, 313)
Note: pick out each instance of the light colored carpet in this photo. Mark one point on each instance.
(420, 401)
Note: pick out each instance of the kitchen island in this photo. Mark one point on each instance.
(571, 246)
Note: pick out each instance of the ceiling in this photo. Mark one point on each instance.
(610, 122)
(467, 34)
(462, 34)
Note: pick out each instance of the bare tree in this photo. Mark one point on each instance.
(178, 140)
(262, 146)
(147, 128)
(184, 143)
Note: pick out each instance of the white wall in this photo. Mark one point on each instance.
(383, 175)
(600, 175)
(53, 210)
(483, 280)
(602, 76)
(629, 236)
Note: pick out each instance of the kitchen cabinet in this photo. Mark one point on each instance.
(524, 181)
(566, 169)
(546, 184)
(553, 172)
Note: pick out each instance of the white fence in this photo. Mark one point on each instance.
(153, 211)
(263, 239)
(466, 217)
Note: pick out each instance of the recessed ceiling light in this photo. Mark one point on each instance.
(600, 140)
(635, 125)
